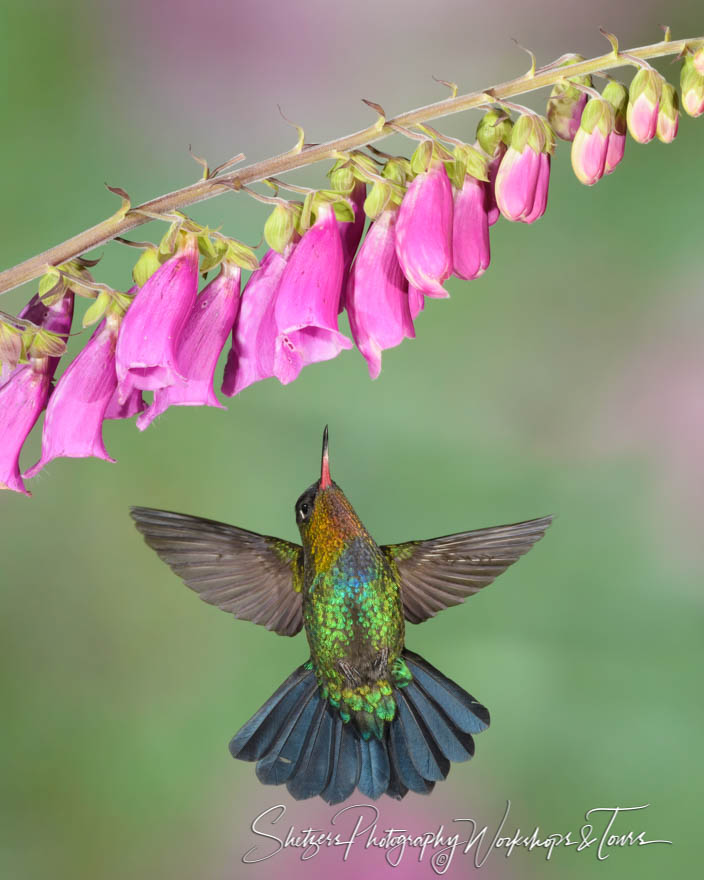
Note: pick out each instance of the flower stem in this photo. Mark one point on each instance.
(123, 222)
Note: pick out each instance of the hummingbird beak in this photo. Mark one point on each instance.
(325, 480)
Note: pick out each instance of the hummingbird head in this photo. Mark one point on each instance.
(323, 510)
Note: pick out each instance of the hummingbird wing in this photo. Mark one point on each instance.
(441, 572)
(256, 577)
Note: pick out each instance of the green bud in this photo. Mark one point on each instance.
(146, 266)
(342, 179)
(617, 95)
(280, 226)
(567, 102)
(398, 170)
(378, 199)
(51, 286)
(494, 128)
(239, 254)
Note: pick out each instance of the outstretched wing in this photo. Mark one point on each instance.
(256, 577)
(441, 572)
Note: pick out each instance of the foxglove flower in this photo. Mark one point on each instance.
(22, 398)
(377, 294)
(73, 427)
(24, 394)
(199, 346)
(591, 143)
(308, 298)
(567, 102)
(146, 345)
(617, 95)
(668, 114)
(692, 82)
(424, 230)
(524, 174)
(470, 229)
(251, 357)
(644, 104)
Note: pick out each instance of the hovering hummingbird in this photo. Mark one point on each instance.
(363, 712)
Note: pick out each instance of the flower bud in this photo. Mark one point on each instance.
(590, 145)
(145, 354)
(377, 297)
(199, 347)
(307, 300)
(251, 357)
(424, 230)
(668, 114)
(470, 229)
(494, 132)
(617, 95)
(567, 102)
(643, 104)
(524, 173)
(692, 83)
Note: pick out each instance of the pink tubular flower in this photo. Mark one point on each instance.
(131, 406)
(644, 105)
(424, 230)
(199, 346)
(307, 300)
(146, 345)
(25, 392)
(73, 427)
(351, 233)
(470, 230)
(376, 296)
(251, 357)
(524, 173)
(591, 142)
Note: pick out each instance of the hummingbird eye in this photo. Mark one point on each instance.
(305, 505)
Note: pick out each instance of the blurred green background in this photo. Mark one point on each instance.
(568, 380)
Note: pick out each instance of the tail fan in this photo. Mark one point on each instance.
(298, 739)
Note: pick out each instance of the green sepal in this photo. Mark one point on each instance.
(146, 266)
(11, 347)
(342, 208)
(51, 286)
(598, 113)
(690, 78)
(362, 166)
(646, 82)
(239, 254)
(97, 308)
(532, 131)
(472, 161)
(422, 156)
(167, 245)
(397, 170)
(212, 251)
(494, 127)
(43, 343)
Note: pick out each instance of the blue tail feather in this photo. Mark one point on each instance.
(297, 738)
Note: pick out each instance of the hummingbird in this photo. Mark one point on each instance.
(363, 712)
